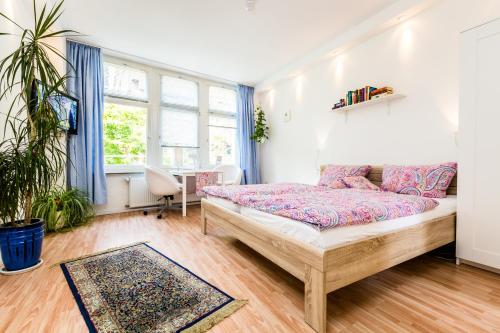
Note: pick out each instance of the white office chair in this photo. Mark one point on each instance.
(232, 174)
(164, 184)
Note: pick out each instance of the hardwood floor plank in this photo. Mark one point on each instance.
(422, 295)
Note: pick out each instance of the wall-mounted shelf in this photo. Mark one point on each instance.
(385, 99)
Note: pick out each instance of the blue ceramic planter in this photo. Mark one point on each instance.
(21, 247)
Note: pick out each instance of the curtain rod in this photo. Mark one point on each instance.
(155, 63)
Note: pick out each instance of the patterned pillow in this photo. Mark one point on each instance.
(427, 180)
(333, 174)
(360, 182)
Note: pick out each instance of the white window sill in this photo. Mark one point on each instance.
(117, 169)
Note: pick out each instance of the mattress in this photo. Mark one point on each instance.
(336, 236)
(228, 204)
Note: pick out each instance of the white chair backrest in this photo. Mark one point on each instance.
(161, 182)
(232, 173)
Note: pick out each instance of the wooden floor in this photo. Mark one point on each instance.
(422, 295)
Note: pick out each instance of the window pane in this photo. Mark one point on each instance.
(215, 120)
(176, 91)
(179, 127)
(180, 158)
(168, 157)
(222, 142)
(124, 134)
(124, 81)
(222, 99)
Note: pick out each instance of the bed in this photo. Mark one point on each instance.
(332, 259)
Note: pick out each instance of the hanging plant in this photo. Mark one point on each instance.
(261, 133)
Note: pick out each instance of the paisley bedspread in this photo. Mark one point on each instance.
(232, 192)
(324, 208)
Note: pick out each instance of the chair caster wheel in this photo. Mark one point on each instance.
(158, 216)
(145, 213)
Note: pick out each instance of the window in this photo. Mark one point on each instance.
(125, 82)
(124, 134)
(125, 117)
(179, 123)
(222, 126)
(155, 116)
(176, 91)
(222, 100)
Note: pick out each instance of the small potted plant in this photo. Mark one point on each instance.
(32, 155)
(63, 209)
(261, 133)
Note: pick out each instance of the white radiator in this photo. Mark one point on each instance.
(139, 195)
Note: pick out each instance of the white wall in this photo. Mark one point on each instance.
(117, 188)
(118, 194)
(21, 13)
(418, 57)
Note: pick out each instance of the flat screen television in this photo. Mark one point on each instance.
(66, 108)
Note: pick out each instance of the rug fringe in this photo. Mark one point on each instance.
(97, 253)
(207, 323)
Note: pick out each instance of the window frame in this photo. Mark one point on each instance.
(124, 168)
(124, 63)
(222, 114)
(181, 108)
(178, 150)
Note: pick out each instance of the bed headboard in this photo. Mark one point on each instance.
(375, 176)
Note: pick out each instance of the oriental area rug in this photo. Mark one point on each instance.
(137, 289)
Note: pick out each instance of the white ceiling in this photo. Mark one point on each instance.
(218, 38)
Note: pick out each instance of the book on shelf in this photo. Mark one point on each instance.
(338, 105)
(362, 95)
(381, 95)
(379, 91)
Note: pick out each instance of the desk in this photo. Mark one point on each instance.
(191, 173)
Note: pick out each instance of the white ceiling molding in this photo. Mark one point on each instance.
(376, 24)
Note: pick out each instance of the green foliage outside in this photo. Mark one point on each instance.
(124, 134)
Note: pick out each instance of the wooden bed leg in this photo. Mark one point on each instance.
(203, 221)
(315, 299)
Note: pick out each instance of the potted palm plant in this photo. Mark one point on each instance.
(32, 154)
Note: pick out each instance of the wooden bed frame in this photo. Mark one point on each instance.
(324, 271)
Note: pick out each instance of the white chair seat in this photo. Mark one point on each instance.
(162, 183)
(232, 174)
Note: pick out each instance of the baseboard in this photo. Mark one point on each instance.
(478, 265)
(138, 209)
(119, 211)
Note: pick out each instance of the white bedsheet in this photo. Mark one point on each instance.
(337, 236)
(228, 204)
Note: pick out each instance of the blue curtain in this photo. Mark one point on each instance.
(249, 162)
(85, 151)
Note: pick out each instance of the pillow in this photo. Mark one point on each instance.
(427, 180)
(360, 182)
(333, 174)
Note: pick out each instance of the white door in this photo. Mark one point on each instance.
(478, 218)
